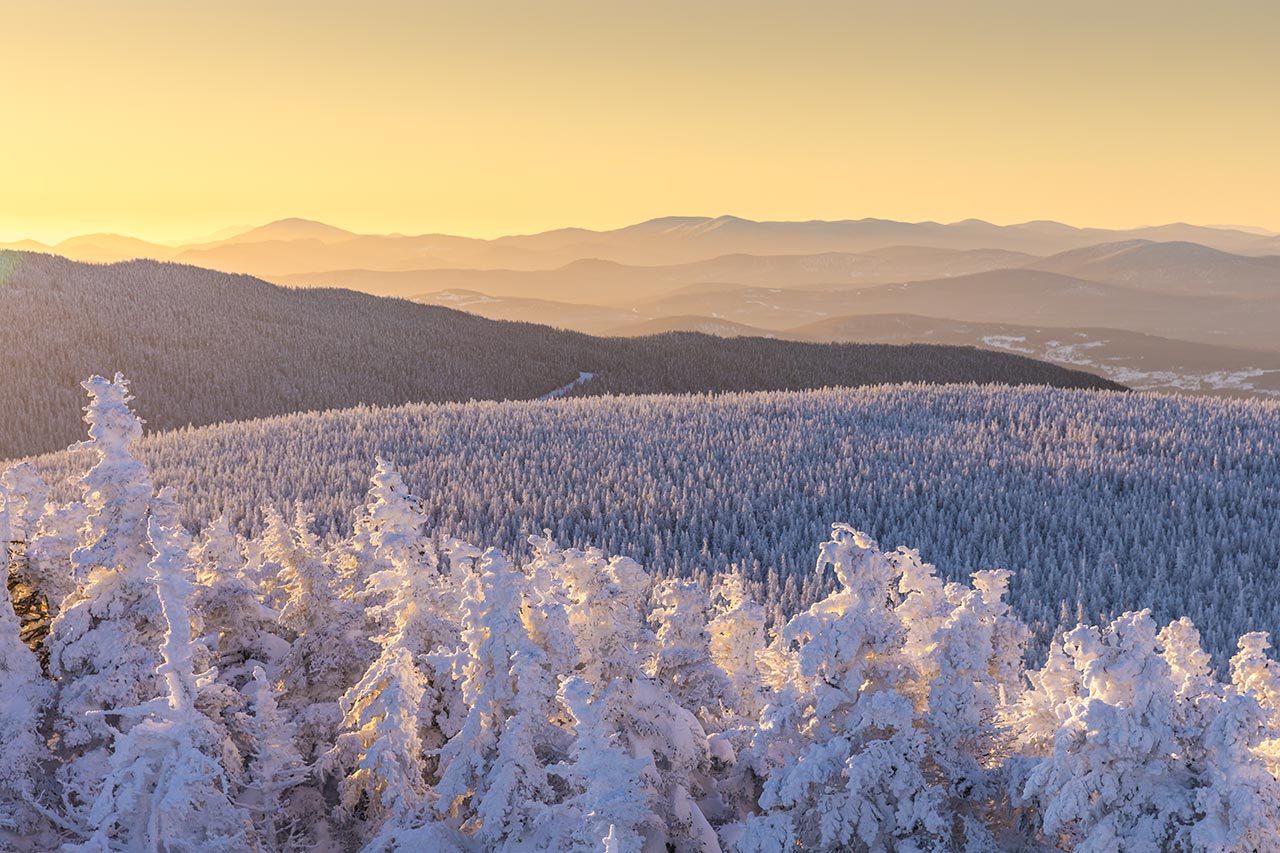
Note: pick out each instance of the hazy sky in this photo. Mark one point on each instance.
(172, 119)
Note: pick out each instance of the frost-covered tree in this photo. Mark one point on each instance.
(737, 638)
(241, 632)
(385, 754)
(387, 532)
(381, 744)
(969, 667)
(604, 611)
(37, 548)
(275, 769)
(605, 598)
(1254, 673)
(103, 643)
(1121, 774)
(493, 777)
(412, 603)
(117, 489)
(546, 610)
(166, 790)
(25, 493)
(842, 749)
(605, 785)
(681, 659)
(1238, 798)
(331, 646)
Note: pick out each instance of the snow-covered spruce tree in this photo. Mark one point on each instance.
(46, 566)
(681, 660)
(380, 750)
(605, 785)
(604, 610)
(737, 637)
(386, 753)
(493, 778)
(240, 631)
(1238, 799)
(678, 777)
(1121, 774)
(842, 750)
(387, 533)
(25, 493)
(1257, 675)
(262, 555)
(117, 489)
(275, 771)
(546, 609)
(35, 594)
(166, 790)
(331, 647)
(737, 633)
(413, 606)
(969, 666)
(23, 704)
(1046, 704)
(102, 644)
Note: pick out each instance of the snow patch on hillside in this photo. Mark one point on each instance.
(583, 377)
(1007, 342)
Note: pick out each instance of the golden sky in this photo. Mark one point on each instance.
(168, 120)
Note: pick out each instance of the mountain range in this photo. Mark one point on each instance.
(301, 246)
(1210, 294)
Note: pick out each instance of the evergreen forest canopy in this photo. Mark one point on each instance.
(397, 688)
(1101, 502)
(207, 347)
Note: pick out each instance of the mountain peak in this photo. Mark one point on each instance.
(293, 228)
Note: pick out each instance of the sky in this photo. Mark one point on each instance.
(169, 120)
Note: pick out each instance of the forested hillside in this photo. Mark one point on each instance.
(398, 689)
(205, 347)
(1099, 500)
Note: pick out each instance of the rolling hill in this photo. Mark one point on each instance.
(1182, 268)
(1099, 501)
(204, 347)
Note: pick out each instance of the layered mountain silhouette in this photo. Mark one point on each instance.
(302, 246)
(1214, 286)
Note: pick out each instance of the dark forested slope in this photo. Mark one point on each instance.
(203, 347)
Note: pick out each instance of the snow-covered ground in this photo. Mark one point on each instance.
(583, 377)
(1085, 354)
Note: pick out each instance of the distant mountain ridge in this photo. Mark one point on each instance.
(666, 240)
(204, 347)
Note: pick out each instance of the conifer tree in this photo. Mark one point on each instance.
(493, 779)
(842, 750)
(274, 770)
(737, 638)
(166, 790)
(1121, 771)
(103, 643)
(682, 651)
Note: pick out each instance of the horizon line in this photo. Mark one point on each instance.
(206, 239)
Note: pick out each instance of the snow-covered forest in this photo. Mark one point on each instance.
(207, 347)
(1101, 502)
(395, 688)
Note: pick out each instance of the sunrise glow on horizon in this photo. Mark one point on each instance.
(170, 122)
